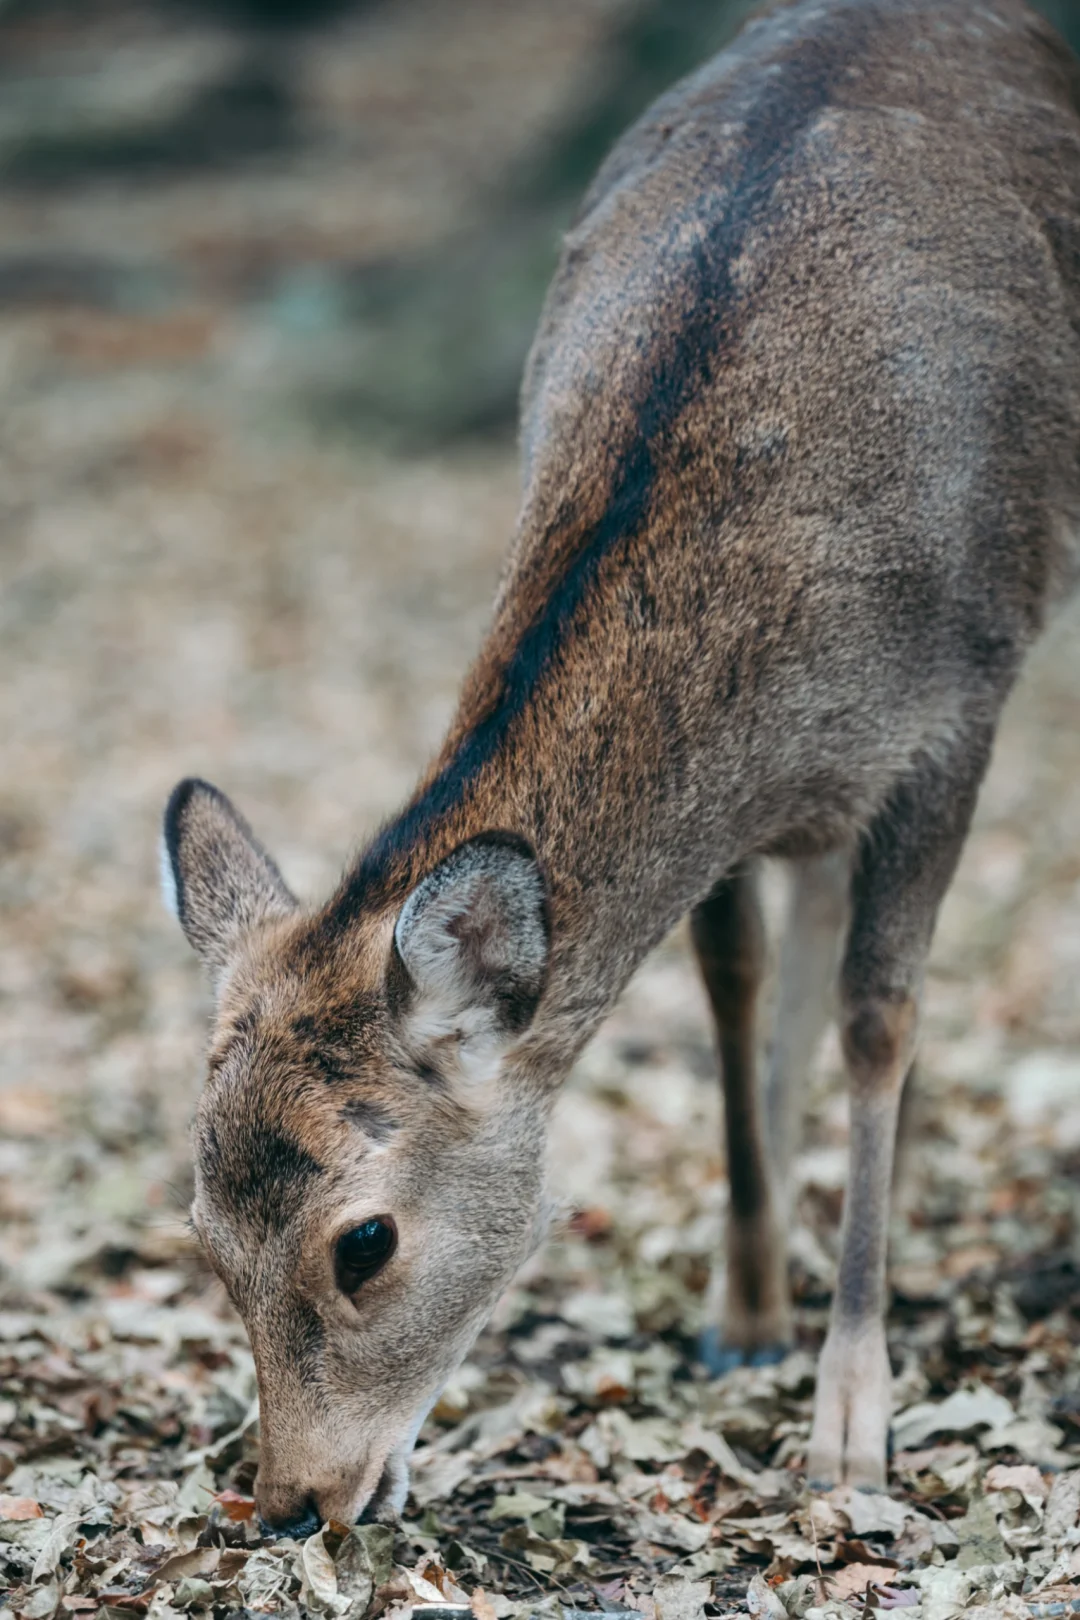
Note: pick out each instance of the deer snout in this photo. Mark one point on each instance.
(297, 1508)
(296, 1521)
(295, 1500)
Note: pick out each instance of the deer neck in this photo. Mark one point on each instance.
(573, 730)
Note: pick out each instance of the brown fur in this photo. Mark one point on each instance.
(801, 436)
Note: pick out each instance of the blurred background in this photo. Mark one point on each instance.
(268, 273)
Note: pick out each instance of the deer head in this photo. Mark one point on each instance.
(369, 1144)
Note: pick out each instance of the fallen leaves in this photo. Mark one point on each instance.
(561, 1462)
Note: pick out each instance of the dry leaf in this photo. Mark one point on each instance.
(521, 1505)
(672, 1530)
(1062, 1507)
(319, 1586)
(896, 1597)
(234, 1506)
(200, 1561)
(853, 1579)
(870, 1512)
(963, 1412)
(679, 1599)
(19, 1508)
(1025, 1479)
(762, 1601)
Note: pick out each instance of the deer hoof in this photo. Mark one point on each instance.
(852, 1407)
(718, 1357)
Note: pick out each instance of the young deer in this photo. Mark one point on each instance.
(802, 480)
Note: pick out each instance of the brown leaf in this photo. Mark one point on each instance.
(19, 1507)
(199, 1561)
(234, 1506)
(432, 1570)
(1025, 1478)
(854, 1578)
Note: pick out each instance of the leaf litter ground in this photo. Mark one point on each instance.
(195, 582)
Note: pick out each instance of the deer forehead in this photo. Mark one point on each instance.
(309, 1113)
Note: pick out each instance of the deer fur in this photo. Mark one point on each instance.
(801, 443)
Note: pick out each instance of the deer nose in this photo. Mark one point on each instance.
(302, 1522)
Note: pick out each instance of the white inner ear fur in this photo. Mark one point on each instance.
(168, 879)
(495, 895)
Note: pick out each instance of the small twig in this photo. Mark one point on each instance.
(532, 1574)
(813, 1531)
(516, 1563)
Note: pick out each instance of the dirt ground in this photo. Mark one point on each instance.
(197, 580)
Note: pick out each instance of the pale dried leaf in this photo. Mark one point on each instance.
(870, 1512)
(319, 1586)
(850, 1580)
(1023, 1478)
(679, 1599)
(963, 1412)
(520, 1505)
(1062, 1507)
(672, 1530)
(762, 1602)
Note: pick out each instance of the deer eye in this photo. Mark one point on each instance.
(359, 1254)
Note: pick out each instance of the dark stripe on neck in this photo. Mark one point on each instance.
(781, 113)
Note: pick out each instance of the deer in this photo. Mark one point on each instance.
(800, 434)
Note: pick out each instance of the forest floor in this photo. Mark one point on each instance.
(198, 579)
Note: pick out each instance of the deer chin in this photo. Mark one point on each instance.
(383, 1504)
(386, 1501)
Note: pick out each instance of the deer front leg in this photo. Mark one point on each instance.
(905, 864)
(755, 1317)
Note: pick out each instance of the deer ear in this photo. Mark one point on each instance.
(471, 949)
(218, 879)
